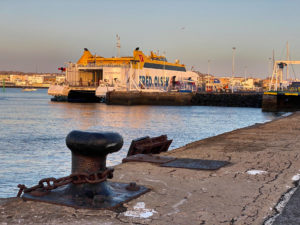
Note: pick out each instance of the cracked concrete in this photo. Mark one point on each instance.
(229, 195)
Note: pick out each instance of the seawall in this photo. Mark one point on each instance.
(148, 98)
(180, 98)
(263, 160)
(228, 99)
(281, 101)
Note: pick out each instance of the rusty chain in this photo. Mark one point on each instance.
(51, 183)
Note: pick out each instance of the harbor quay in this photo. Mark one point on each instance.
(263, 170)
(239, 99)
(274, 101)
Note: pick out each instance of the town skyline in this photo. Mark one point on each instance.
(42, 36)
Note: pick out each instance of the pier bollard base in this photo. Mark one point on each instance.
(105, 195)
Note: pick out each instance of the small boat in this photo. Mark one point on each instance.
(29, 89)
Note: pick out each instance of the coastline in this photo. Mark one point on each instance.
(39, 87)
(230, 195)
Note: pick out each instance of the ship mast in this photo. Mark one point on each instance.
(164, 54)
(118, 45)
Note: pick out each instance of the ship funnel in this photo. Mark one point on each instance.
(85, 56)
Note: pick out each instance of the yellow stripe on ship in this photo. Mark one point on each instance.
(295, 94)
(270, 93)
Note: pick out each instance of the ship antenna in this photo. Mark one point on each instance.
(118, 45)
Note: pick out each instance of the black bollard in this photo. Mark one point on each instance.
(89, 150)
(87, 186)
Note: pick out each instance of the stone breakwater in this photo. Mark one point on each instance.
(264, 161)
(179, 98)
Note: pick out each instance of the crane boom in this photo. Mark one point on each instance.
(287, 62)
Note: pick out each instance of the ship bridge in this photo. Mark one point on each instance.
(91, 70)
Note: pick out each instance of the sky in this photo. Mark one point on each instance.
(42, 35)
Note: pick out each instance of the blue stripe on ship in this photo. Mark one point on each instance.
(161, 66)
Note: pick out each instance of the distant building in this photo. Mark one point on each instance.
(49, 79)
(248, 84)
(225, 82)
(60, 79)
(35, 79)
(4, 77)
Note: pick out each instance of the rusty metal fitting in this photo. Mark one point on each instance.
(132, 187)
(87, 186)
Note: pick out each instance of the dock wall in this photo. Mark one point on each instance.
(228, 99)
(179, 98)
(284, 102)
(148, 98)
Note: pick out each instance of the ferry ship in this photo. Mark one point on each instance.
(93, 76)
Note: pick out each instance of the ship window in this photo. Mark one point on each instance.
(161, 59)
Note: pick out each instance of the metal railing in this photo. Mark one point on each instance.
(104, 65)
(83, 84)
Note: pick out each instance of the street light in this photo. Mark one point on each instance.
(208, 62)
(208, 66)
(245, 72)
(233, 52)
(270, 67)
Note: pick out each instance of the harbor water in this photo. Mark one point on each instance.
(33, 131)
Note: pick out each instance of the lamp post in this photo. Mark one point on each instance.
(233, 52)
(270, 67)
(245, 72)
(208, 78)
(208, 66)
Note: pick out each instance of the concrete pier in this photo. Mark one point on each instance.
(148, 98)
(280, 101)
(264, 158)
(238, 99)
(152, 97)
(181, 98)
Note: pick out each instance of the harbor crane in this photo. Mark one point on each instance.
(277, 75)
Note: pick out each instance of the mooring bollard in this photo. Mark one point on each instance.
(87, 186)
(89, 150)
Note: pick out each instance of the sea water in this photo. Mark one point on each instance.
(33, 130)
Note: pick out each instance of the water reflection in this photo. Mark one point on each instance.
(33, 130)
